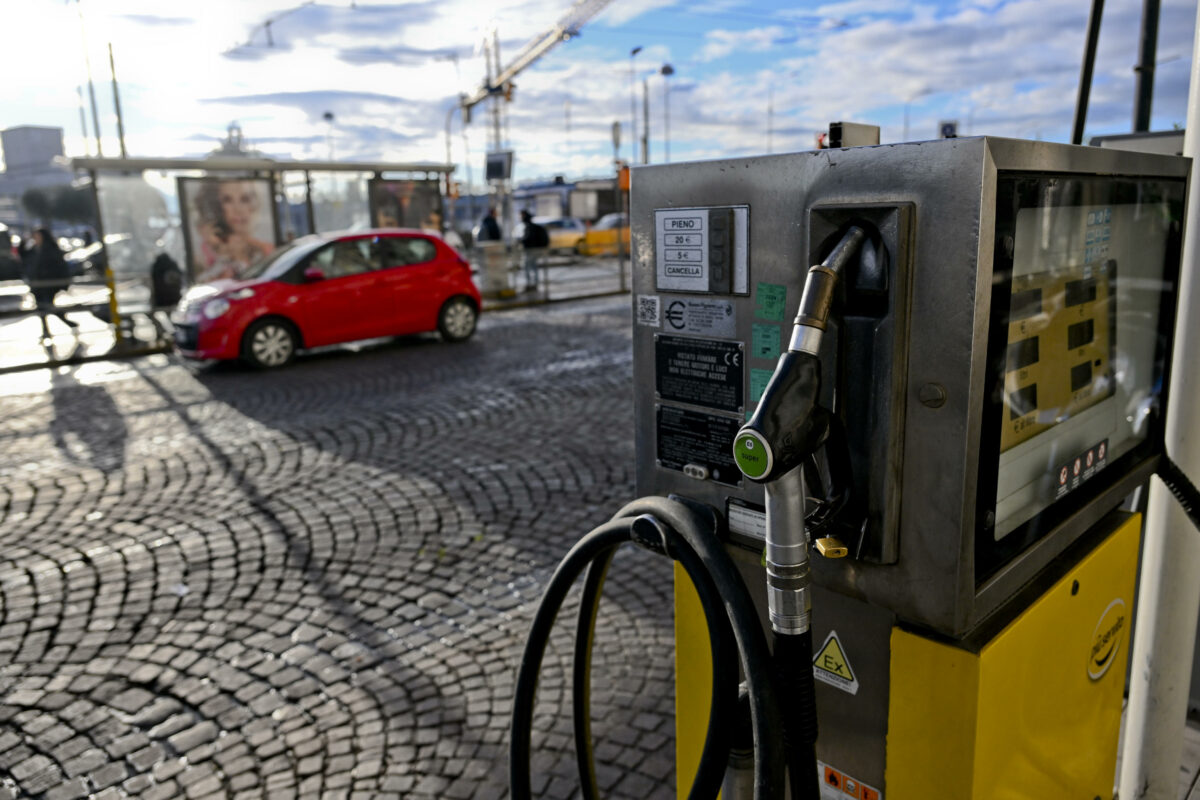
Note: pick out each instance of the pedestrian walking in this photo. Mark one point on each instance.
(534, 241)
(47, 275)
(489, 229)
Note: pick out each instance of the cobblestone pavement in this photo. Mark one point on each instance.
(316, 582)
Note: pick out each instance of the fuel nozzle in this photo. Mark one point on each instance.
(786, 430)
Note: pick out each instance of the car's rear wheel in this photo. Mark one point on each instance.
(269, 343)
(456, 320)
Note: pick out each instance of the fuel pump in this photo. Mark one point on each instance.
(918, 493)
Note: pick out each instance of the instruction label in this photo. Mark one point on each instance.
(746, 520)
(766, 340)
(770, 301)
(759, 378)
(693, 437)
(831, 665)
(700, 317)
(837, 785)
(702, 372)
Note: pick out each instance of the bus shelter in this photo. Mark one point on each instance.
(164, 223)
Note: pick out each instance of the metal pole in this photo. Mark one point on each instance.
(667, 118)
(87, 147)
(1169, 583)
(87, 63)
(633, 108)
(770, 114)
(1145, 68)
(112, 65)
(645, 121)
(1085, 74)
(114, 313)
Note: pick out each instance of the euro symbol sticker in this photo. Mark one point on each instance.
(674, 315)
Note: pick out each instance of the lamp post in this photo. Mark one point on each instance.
(667, 71)
(633, 107)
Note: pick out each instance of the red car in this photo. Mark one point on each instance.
(330, 288)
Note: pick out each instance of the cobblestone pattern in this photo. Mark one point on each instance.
(317, 582)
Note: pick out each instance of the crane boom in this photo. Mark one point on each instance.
(567, 27)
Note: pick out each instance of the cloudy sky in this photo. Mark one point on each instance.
(389, 73)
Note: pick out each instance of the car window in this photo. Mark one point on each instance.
(344, 258)
(399, 251)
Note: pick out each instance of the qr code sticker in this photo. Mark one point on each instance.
(648, 310)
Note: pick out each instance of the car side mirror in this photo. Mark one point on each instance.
(312, 274)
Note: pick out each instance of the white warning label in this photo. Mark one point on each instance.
(831, 666)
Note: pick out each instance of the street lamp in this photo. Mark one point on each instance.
(667, 71)
(633, 107)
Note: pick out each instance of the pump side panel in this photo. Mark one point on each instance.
(693, 681)
(1051, 683)
(931, 719)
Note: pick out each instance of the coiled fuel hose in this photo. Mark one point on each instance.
(687, 534)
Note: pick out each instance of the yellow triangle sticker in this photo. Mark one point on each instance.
(831, 665)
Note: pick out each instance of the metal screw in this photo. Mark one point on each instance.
(932, 395)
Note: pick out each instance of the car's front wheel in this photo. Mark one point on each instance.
(456, 320)
(269, 343)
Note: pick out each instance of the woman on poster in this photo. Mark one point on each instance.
(229, 228)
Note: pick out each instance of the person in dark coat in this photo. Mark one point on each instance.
(534, 241)
(48, 275)
(489, 229)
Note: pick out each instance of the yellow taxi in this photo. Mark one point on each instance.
(601, 239)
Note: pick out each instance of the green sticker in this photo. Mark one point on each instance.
(771, 301)
(765, 340)
(759, 378)
(750, 455)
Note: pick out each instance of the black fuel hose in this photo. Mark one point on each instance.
(1177, 482)
(689, 538)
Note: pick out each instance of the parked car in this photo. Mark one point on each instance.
(601, 238)
(326, 289)
(566, 233)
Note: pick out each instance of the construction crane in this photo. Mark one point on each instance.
(498, 83)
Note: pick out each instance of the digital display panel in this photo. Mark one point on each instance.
(1082, 310)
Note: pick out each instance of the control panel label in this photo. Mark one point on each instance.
(702, 372)
(694, 438)
(702, 317)
(746, 520)
(702, 250)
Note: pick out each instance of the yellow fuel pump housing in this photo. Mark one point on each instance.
(998, 360)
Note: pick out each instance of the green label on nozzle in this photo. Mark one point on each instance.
(751, 455)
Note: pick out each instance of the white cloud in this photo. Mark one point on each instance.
(721, 43)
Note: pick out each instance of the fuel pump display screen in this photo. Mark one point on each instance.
(1082, 306)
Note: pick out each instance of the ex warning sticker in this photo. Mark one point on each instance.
(831, 665)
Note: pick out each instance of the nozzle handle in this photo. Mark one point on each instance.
(788, 425)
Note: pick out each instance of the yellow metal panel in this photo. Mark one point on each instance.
(1037, 712)
(931, 719)
(693, 681)
(1047, 727)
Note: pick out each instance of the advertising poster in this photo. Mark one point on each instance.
(229, 225)
(406, 204)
